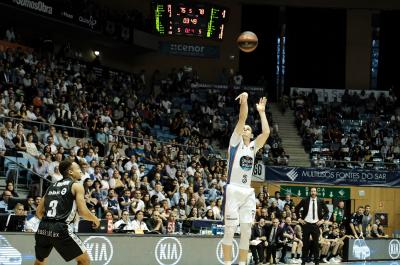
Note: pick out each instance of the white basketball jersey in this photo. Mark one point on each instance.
(241, 161)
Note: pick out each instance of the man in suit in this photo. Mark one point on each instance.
(314, 213)
(258, 232)
(274, 236)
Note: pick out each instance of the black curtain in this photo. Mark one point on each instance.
(263, 21)
(315, 47)
(389, 61)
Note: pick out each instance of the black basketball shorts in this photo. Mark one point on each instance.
(61, 237)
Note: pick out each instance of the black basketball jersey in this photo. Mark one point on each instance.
(59, 202)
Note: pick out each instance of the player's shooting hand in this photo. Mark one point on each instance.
(96, 223)
(242, 97)
(261, 104)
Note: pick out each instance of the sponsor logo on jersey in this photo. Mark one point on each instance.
(246, 163)
(54, 192)
(245, 179)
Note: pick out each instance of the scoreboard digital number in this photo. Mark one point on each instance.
(189, 19)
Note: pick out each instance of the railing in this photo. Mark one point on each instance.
(320, 163)
(43, 126)
(15, 165)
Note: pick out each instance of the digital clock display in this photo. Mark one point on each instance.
(189, 19)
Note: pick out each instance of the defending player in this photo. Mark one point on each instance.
(57, 210)
(239, 198)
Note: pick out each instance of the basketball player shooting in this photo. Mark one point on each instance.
(239, 197)
(57, 211)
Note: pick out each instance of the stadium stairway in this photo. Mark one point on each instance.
(22, 190)
(291, 141)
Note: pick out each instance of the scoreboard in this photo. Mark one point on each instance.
(189, 19)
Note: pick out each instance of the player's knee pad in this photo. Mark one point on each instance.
(229, 232)
(245, 234)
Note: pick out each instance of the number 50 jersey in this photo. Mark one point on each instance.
(241, 161)
(59, 202)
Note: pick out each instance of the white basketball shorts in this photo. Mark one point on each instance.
(239, 205)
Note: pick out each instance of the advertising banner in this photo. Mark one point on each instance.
(323, 192)
(103, 249)
(333, 176)
(329, 95)
(59, 10)
(373, 249)
(192, 50)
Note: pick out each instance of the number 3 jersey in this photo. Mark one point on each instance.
(241, 161)
(59, 202)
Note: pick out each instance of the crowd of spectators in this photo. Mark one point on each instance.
(150, 143)
(280, 212)
(360, 131)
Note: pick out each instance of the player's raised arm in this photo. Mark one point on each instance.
(244, 109)
(262, 138)
(79, 192)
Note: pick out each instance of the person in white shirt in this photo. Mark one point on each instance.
(30, 114)
(314, 213)
(158, 191)
(137, 204)
(138, 224)
(4, 203)
(32, 224)
(132, 163)
(125, 220)
(31, 148)
(240, 200)
(54, 164)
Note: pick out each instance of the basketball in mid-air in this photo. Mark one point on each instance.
(247, 41)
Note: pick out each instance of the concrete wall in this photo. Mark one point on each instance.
(358, 48)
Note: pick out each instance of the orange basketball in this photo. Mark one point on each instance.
(247, 41)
